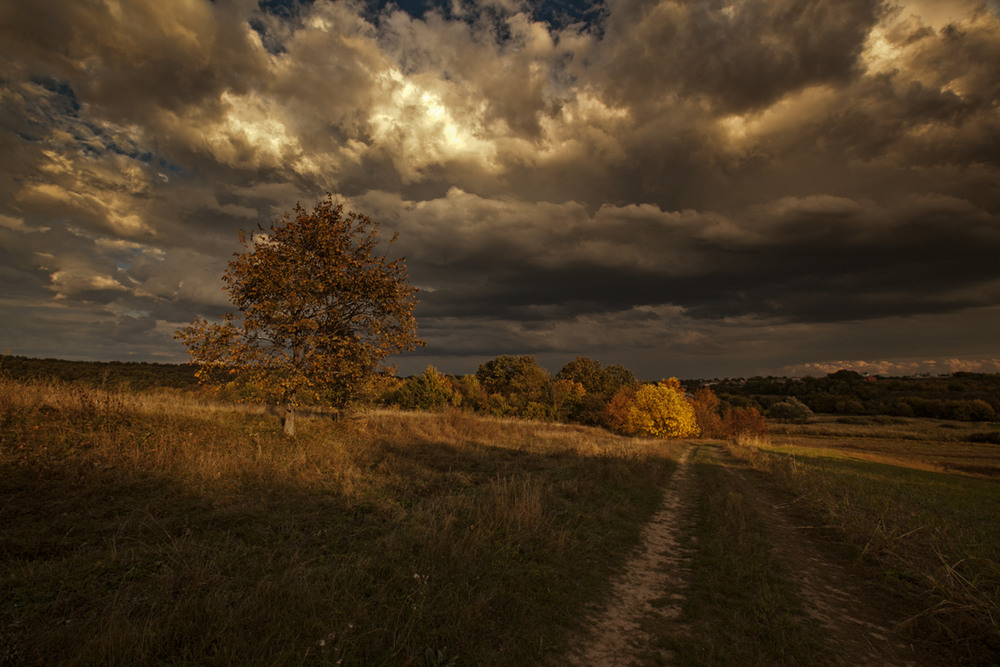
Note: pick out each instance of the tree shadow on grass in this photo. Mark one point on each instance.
(473, 550)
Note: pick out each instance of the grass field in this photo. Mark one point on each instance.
(915, 498)
(160, 527)
(740, 607)
(967, 448)
(143, 527)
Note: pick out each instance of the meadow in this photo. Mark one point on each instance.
(164, 526)
(918, 499)
(161, 527)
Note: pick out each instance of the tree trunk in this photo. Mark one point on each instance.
(288, 420)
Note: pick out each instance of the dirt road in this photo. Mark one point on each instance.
(854, 622)
(657, 569)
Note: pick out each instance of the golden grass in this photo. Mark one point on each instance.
(167, 527)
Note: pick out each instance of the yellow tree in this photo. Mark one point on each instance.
(320, 307)
(661, 411)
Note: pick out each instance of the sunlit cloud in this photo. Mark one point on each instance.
(415, 123)
(700, 188)
(251, 134)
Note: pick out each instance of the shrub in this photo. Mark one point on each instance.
(430, 390)
(970, 411)
(790, 410)
(471, 394)
(744, 423)
(498, 406)
(538, 411)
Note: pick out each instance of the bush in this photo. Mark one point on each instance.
(498, 406)
(538, 411)
(745, 423)
(430, 390)
(471, 394)
(970, 411)
(790, 410)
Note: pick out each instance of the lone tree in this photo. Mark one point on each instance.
(320, 307)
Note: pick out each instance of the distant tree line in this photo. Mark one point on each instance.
(960, 396)
(584, 392)
(132, 374)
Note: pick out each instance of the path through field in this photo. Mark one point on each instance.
(657, 568)
(854, 624)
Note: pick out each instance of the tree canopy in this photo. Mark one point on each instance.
(655, 410)
(516, 386)
(595, 378)
(320, 306)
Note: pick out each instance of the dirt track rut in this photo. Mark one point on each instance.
(654, 582)
(856, 632)
(656, 571)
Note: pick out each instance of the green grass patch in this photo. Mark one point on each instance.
(140, 528)
(933, 533)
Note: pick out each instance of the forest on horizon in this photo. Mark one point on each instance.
(961, 396)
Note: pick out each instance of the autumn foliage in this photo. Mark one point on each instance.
(319, 304)
(706, 413)
(584, 391)
(654, 410)
(431, 390)
(594, 386)
(616, 412)
(745, 423)
(516, 386)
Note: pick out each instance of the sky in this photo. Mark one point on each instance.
(690, 188)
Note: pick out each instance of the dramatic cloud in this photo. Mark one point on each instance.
(697, 188)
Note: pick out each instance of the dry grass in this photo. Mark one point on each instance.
(160, 527)
(747, 447)
(930, 444)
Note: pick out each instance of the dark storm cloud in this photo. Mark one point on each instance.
(738, 56)
(697, 187)
(135, 62)
(818, 259)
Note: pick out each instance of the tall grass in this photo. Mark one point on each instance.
(143, 527)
